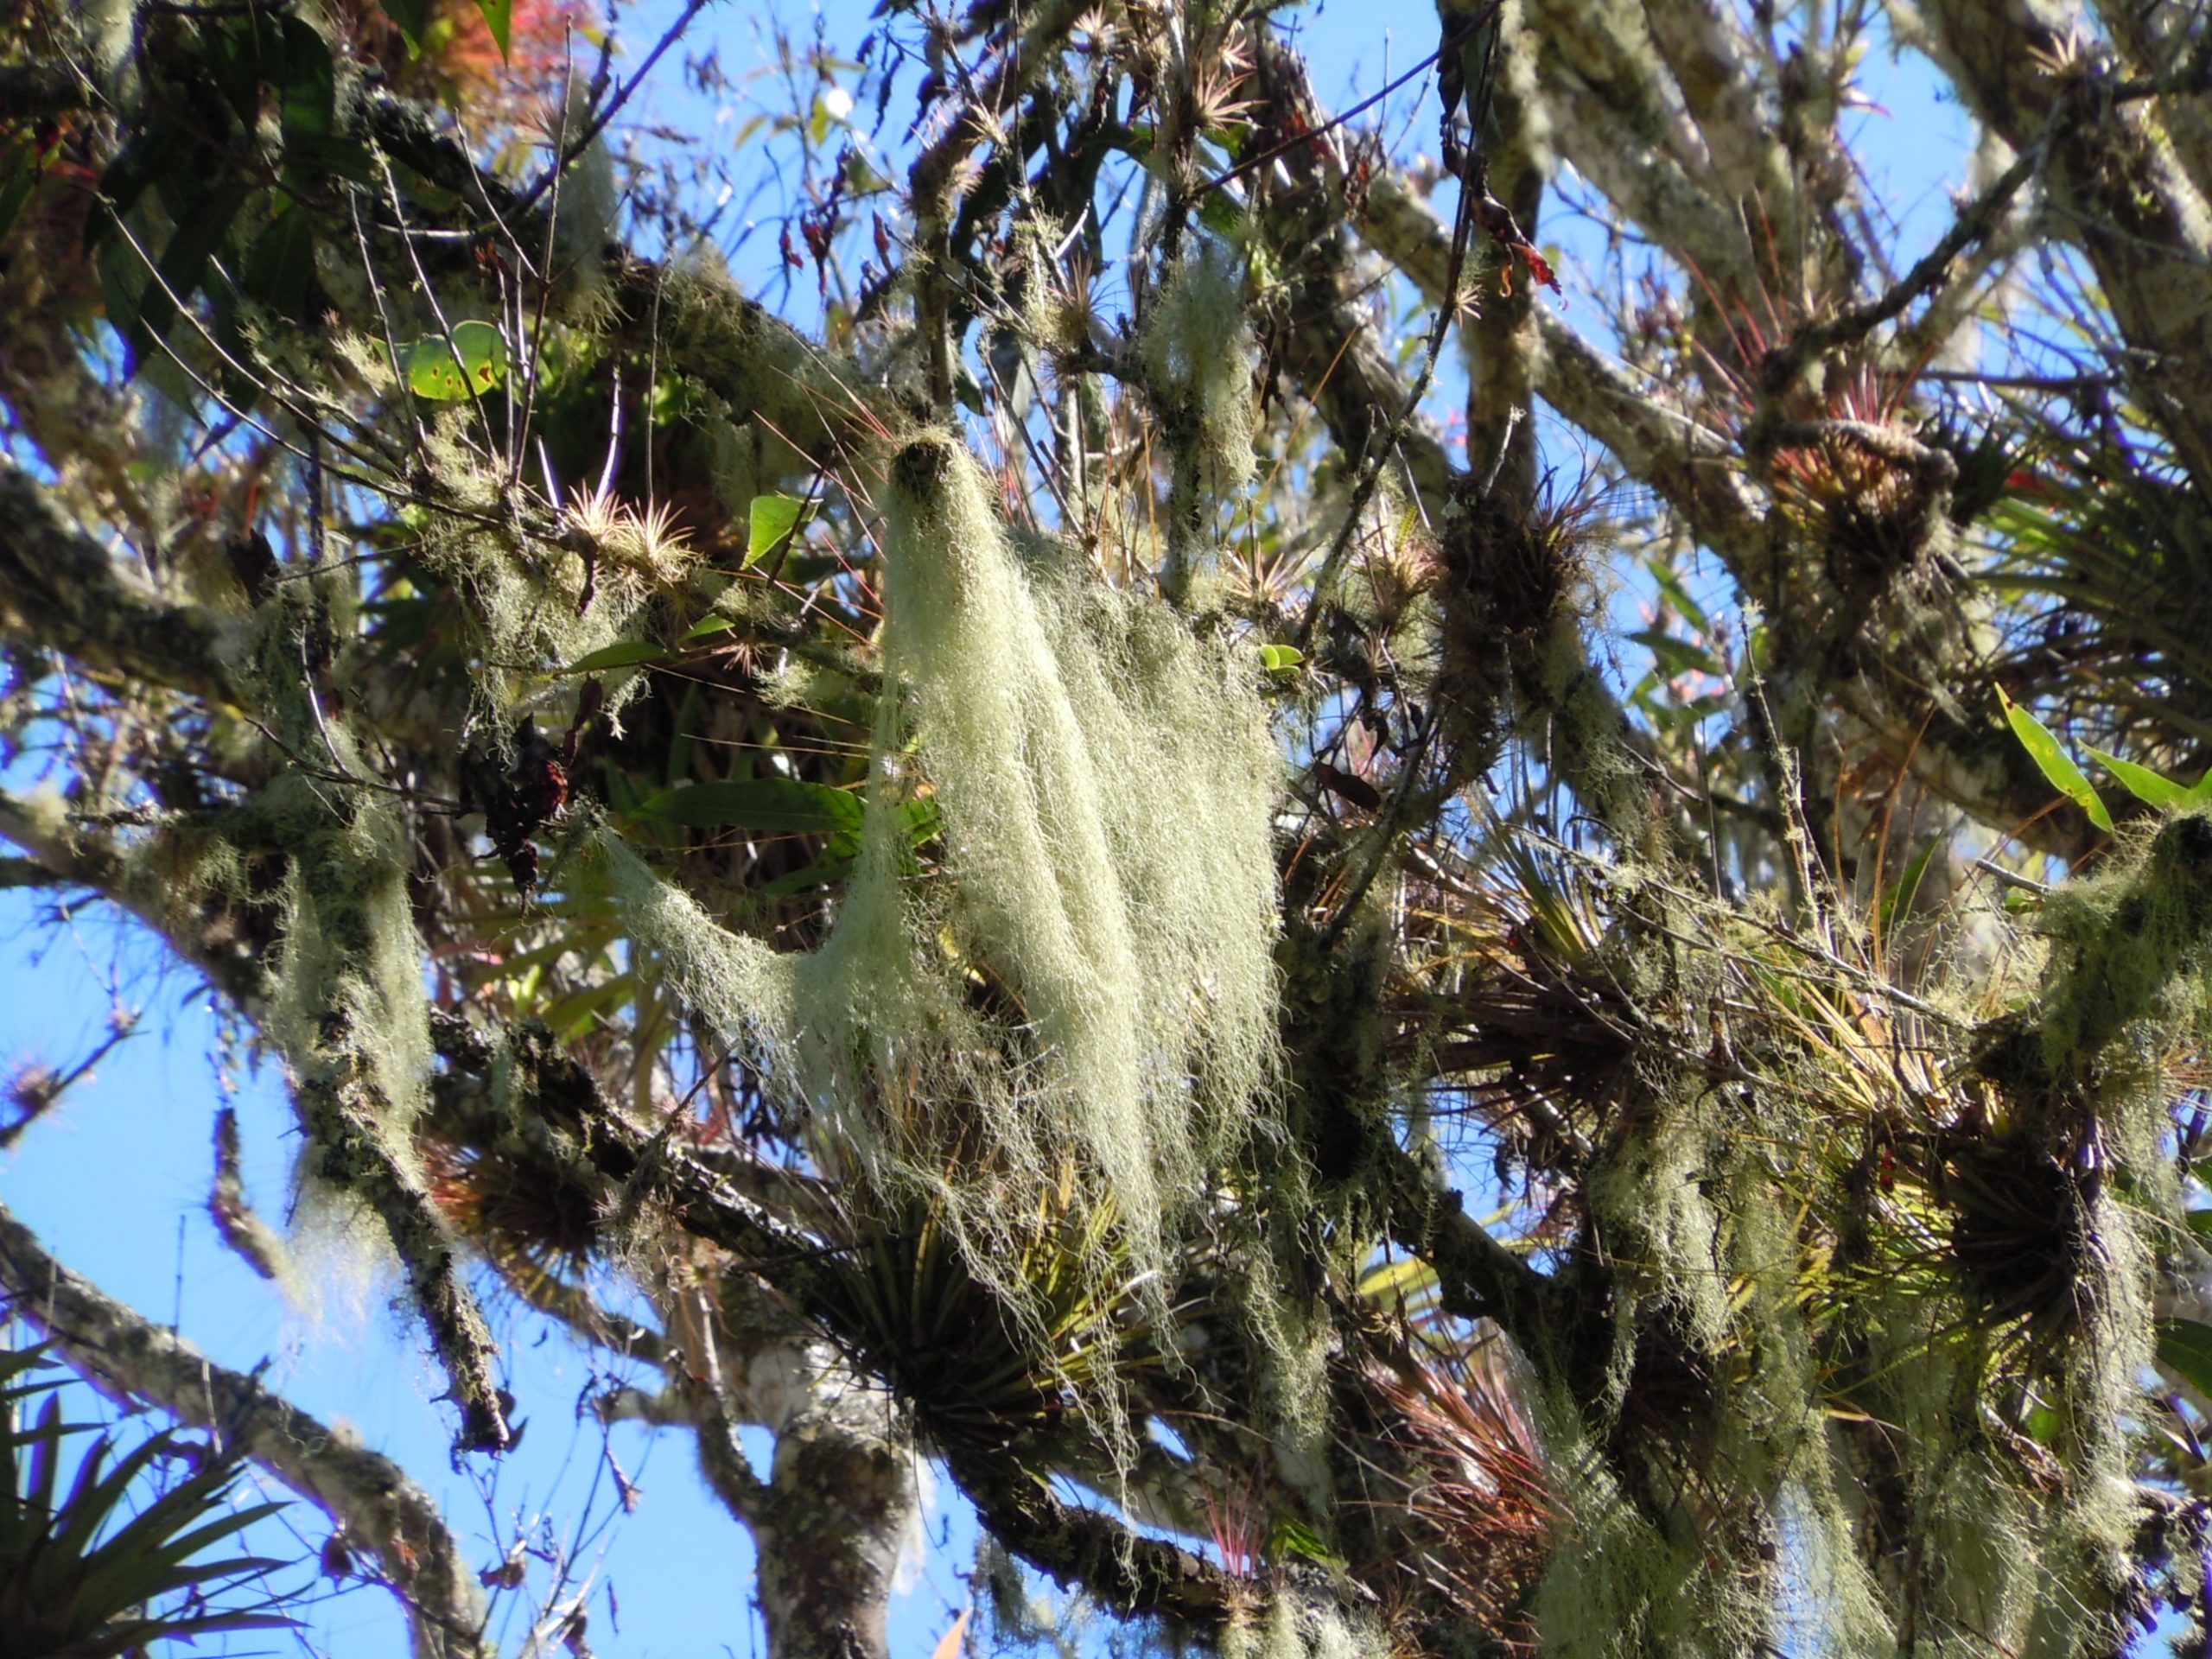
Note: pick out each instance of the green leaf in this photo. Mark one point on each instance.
(498, 17)
(1664, 576)
(18, 172)
(1295, 1538)
(2056, 766)
(2185, 1349)
(923, 821)
(310, 107)
(413, 16)
(575, 1015)
(436, 373)
(243, 54)
(832, 870)
(2144, 784)
(1280, 659)
(623, 653)
(1675, 655)
(279, 268)
(767, 805)
(1898, 900)
(176, 275)
(1222, 215)
(706, 628)
(311, 162)
(774, 518)
(150, 154)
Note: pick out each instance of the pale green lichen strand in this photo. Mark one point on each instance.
(1196, 350)
(1106, 782)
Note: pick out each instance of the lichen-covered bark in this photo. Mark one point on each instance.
(65, 592)
(1327, 338)
(840, 1501)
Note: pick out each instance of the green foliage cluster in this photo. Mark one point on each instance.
(116, 1560)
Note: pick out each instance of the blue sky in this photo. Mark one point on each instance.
(116, 1180)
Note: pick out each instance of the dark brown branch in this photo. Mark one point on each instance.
(1073, 1545)
(237, 1224)
(2113, 180)
(80, 858)
(1975, 221)
(1478, 1275)
(930, 181)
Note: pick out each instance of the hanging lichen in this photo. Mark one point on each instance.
(1090, 985)
(1300, 1622)
(1198, 356)
(1865, 1287)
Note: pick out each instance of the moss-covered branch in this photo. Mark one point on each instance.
(63, 591)
(2115, 186)
(1128, 1571)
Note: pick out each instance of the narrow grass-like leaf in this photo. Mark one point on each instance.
(2144, 784)
(623, 653)
(1898, 901)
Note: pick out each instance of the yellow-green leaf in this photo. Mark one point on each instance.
(434, 370)
(1280, 659)
(2144, 784)
(412, 16)
(500, 18)
(2056, 766)
(2185, 1349)
(764, 805)
(774, 518)
(623, 653)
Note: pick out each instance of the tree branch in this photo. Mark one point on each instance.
(2116, 186)
(1133, 1573)
(1073, 1545)
(811, 405)
(61, 591)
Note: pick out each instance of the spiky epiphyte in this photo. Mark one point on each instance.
(1851, 1243)
(535, 606)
